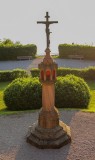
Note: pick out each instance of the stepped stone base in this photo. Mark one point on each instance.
(49, 138)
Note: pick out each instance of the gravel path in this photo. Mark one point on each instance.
(13, 146)
(28, 64)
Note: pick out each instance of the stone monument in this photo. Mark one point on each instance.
(48, 131)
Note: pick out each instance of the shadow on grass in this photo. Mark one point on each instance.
(91, 84)
(3, 85)
(7, 112)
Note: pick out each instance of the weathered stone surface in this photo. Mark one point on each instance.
(48, 119)
(48, 96)
(47, 137)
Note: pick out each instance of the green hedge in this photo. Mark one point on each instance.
(10, 75)
(86, 74)
(71, 92)
(23, 94)
(88, 52)
(11, 52)
(35, 72)
(26, 93)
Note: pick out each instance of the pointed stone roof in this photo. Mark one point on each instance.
(48, 59)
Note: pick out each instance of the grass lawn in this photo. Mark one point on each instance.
(3, 110)
(3, 85)
(91, 106)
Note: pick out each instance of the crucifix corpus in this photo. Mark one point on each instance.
(47, 23)
(48, 131)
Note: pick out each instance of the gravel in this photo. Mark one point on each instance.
(13, 130)
(28, 64)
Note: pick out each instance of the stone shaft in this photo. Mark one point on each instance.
(48, 96)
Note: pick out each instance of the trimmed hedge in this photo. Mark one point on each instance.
(71, 92)
(26, 93)
(86, 73)
(23, 94)
(35, 72)
(88, 52)
(10, 75)
(11, 52)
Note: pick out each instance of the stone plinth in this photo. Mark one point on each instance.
(49, 131)
(46, 138)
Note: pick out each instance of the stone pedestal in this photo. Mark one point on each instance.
(46, 138)
(48, 131)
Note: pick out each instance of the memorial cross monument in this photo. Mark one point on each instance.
(48, 131)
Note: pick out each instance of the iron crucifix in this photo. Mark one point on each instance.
(47, 23)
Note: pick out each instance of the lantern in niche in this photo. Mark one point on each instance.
(48, 74)
(48, 69)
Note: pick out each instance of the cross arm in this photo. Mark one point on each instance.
(51, 22)
(43, 22)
